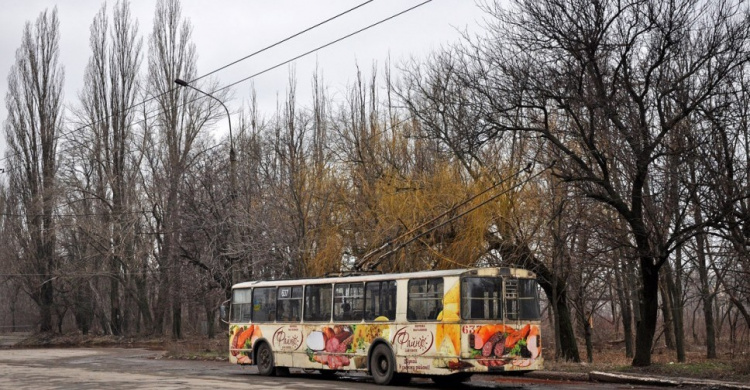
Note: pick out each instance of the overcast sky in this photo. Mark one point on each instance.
(226, 30)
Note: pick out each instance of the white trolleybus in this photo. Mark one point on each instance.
(446, 325)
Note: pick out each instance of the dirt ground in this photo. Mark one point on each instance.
(734, 368)
(137, 369)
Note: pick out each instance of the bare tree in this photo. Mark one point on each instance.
(607, 85)
(110, 89)
(34, 121)
(171, 55)
(726, 162)
(449, 111)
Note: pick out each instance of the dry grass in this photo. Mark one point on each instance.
(664, 363)
(78, 340)
(192, 347)
(198, 348)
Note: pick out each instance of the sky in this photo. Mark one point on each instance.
(227, 30)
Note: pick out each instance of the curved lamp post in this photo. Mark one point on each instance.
(232, 158)
(232, 162)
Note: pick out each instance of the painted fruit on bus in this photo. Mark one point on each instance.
(497, 345)
(330, 346)
(241, 339)
(335, 346)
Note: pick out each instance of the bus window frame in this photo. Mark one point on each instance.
(534, 299)
(292, 298)
(392, 295)
(500, 298)
(349, 300)
(269, 312)
(304, 302)
(249, 304)
(439, 299)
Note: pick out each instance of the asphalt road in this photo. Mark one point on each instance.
(114, 368)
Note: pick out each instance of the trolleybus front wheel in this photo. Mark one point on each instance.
(264, 357)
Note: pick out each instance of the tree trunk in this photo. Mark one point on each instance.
(554, 288)
(583, 318)
(60, 310)
(141, 300)
(555, 322)
(666, 313)
(568, 345)
(587, 337)
(13, 303)
(114, 302)
(705, 292)
(46, 303)
(210, 321)
(176, 319)
(173, 260)
(674, 288)
(627, 313)
(162, 302)
(83, 308)
(649, 304)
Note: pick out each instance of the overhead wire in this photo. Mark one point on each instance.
(281, 41)
(325, 45)
(367, 257)
(280, 64)
(57, 137)
(158, 111)
(374, 264)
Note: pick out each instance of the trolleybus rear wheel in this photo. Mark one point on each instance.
(382, 365)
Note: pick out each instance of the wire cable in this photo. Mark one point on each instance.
(201, 77)
(281, 41)
(323, 46)
(374, 264)
(158, 111)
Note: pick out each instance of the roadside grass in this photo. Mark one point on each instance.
(75, 339)
(664, 363)
(198, 348)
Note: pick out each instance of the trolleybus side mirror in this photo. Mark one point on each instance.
(224, 312)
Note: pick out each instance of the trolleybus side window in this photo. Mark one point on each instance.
(425, 299)
(380, 300)
(521, 299)
(348, 301)
(264, 304)
(528, 299)
(289, 305)
(241, 305)
(318, 302)
(482, 298)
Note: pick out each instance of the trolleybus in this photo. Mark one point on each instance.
(444, 324)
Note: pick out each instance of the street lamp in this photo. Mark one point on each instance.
(232, 163)
(232, 158)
